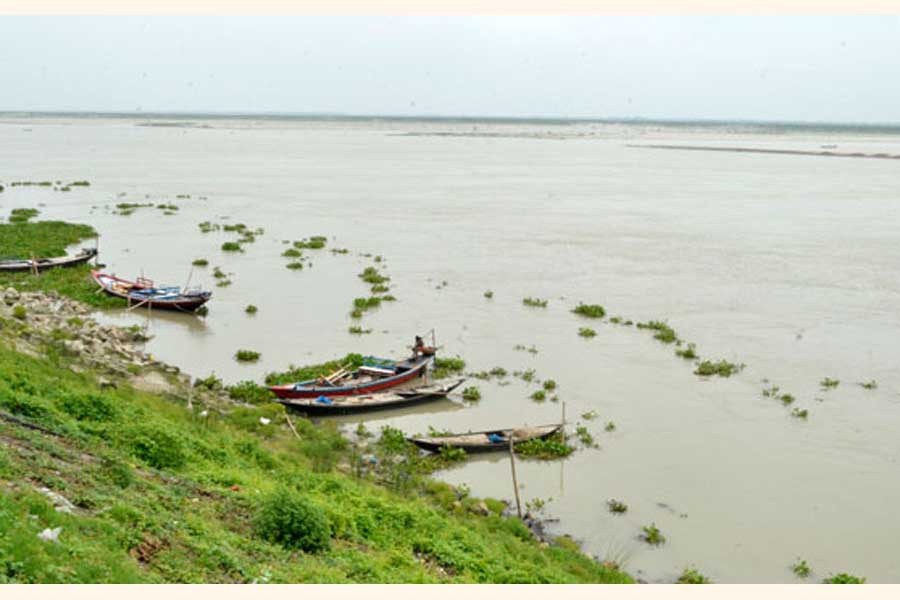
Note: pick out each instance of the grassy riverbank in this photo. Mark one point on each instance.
(49, 239)
(184, 485)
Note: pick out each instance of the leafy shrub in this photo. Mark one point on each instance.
(250, 392)
(88, 407)
(292, 520)
(157, 446)
(593, 311)
(19, 312)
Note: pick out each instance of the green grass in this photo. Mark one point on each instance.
(592, 311)
(295, 373)
(247, 356)
(165, 495)
(41, 239)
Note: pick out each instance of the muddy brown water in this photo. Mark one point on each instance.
(788, 264)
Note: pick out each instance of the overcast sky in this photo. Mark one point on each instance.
(759, 68)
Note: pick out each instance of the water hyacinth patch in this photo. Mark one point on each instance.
(592, 311)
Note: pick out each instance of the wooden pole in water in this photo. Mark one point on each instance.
(512, 464)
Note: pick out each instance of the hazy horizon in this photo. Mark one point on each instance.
(817, 70)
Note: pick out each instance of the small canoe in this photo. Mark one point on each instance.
(143, 292)
(373, 376)
(485, 441)
(41, 264)
(339, 405)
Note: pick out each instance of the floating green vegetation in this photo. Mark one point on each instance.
(471, 394)
(869, 385)
(584, 436)
(356, 313)
(316, 242)
(688, 353)
(238, 227)
(200, 262)
(549, 385)
(22, 215)
(251, 309)
(247, 355)
(357, 330)
(127, 208)
(340, 251)
(498, 372)
(79, 184)
(787, 399)
(445, 367)
(828, 383)
(664, 332)
(167, 207)
(538, 395)
(361, 305)
(223, 283)
(692, 576)
(722, 368)
(844, 578)
(586, 332)
(592, 311)
(616, 507)
(218, 273)
(554, 446)
(489, 294)
(652, 535)
(207, 227)
(536, 302)
(292, 253)
(379, 288)
(30, 183)
(202, 310)
(590, 415)
(183, 196)
(617, 320)
(294, 265)
(800, 413)
(19, 312)
(526, 375)
(372, 276)
(211, 382)
(232, 247)
(801, 569)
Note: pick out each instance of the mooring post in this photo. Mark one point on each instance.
(512, 464)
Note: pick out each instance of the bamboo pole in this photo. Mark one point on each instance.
(512, 464)
(291, 425)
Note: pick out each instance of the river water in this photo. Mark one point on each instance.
(785, 263)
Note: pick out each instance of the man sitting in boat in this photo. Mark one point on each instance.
(420, 349)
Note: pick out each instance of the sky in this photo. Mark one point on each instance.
(829, 69)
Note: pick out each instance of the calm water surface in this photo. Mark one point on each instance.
(788, 264)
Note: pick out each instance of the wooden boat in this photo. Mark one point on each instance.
(338, 405)
(41, 264)
(143, 292)
(485, 441)
(373, 376)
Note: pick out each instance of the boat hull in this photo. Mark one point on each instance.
(182, 303)
(42, 264)
(370, 387)
(435, 444)
(391, 402)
